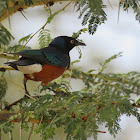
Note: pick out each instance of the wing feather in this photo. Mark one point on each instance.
(47, 55)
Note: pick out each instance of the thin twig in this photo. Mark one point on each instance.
(70, 77)
(4, 68)
(48, 21)
(126, 5)
(8, 114)
(7, 56)
(31, 131)
(20, 87)
(50, 11)
(53, 119)
(101, 131)
(110, 4)
(40, 122)
(118, 12)
(12, 10)
(20, 130)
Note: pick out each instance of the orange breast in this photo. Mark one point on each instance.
(47, 74)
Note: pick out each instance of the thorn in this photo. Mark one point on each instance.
(118, 13)
(24, 15)
(20, 10)
(8, 15)
(101, 131)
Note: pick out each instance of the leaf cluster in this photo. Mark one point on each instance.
(44, 38)
(93, 13)
(102, 101)
(5, 37)
(134, 4)
(18, 47)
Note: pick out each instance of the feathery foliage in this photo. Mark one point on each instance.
(24, 39)
(20, 46)
(101, 101)
(5, 37)
(44, 38)
(134, 4)
(93, 13)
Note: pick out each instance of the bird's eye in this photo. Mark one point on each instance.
(72, 41)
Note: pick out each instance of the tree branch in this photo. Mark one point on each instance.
(31, 131)
(6, 114)
(17, 6)
(8, 56)
(4, 68)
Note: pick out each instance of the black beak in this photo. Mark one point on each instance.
(80, 43)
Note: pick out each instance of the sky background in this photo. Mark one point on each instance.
(111, 38)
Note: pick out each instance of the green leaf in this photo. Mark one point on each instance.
(134, 4)
(44, 38)
(5, 36)
(76, 61)
(138, 101)
(2, 5)
(24, 39)
(77, 34)
(93, 13)
(110, 59)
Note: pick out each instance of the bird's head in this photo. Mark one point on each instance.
(66, 43)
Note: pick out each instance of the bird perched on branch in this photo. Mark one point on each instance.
(45, 64)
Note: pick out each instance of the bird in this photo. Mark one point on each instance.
(45, 64)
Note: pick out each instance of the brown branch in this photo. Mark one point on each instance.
(4, 68)
(15, 7)
(5, 114)
(135, 105)
(101, 131)
(118, 11)
(31, 131)
(20, 130)
(8, 56)
(66, 75)
(40, 122)
(110, 4)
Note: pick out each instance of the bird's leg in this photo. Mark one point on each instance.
(25, 87)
